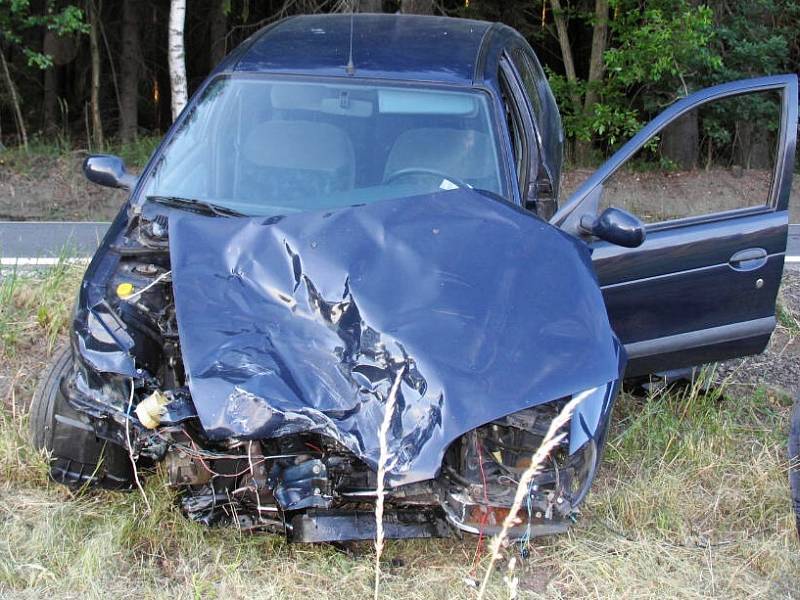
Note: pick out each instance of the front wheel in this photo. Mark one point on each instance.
(77, 456)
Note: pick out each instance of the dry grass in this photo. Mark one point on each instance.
(692, 501)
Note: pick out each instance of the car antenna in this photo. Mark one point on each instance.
(350, 69)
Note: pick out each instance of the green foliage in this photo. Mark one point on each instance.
(655, 54)
(17, 16)
(756, 38)
(609, 118)
(137, 152)
(667, 41)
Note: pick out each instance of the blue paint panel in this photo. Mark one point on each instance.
(407, 47)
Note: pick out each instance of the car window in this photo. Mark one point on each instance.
(263, 146)
(525, 69)
(716, 158)
(547, 119)
(515, 130)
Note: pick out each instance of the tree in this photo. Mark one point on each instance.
(641, 59)
(667, 48)
(16, 18)
(94, 48)
(419, 7)
(583, 97)
(755, 38)
(129, 70)
(218, 28)
(370, 6)
(62, 50)
(12, 91)
(177, 60)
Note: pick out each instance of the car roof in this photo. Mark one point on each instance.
(385, 46)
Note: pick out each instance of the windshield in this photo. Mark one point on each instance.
(260, 146)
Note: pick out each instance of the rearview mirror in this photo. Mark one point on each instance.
(616, 226)
(107, 170)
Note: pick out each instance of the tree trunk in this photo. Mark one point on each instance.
(177, 60)
(50, 100)
(63, 49)
(94, 46)
(753, 146)
(50, 103)
(419, 7)
(583, 148)
(569, 67)
(370, 6)
(596, 64)
(680, 141)
(12, 90)
(566, 49)
(218, 29)
(129, 71)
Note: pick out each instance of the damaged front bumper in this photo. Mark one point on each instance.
(311, 489)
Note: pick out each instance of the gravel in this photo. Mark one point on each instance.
(778, 368)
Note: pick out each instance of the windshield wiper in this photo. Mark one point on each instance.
(197, 205)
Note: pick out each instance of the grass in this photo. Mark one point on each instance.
(135, 153)
(788, 319)
(691, 501)
(35, 309)
(43, 151)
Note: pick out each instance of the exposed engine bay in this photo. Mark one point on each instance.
(311, 478)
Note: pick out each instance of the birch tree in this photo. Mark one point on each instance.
(177, 60)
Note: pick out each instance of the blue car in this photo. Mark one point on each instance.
(350, 255)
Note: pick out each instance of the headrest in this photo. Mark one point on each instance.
(298, 145)
(465, 153)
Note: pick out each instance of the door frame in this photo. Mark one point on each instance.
(784, 163)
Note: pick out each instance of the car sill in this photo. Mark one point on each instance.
(703, 337)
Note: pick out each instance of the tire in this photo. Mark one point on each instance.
(794, 459)
(78, 457)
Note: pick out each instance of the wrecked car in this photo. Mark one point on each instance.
(352, 207)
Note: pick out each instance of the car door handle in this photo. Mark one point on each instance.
(748, 260)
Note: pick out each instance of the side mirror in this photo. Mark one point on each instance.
(109, 171)
(616, 226)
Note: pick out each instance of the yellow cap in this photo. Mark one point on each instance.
(124, 290)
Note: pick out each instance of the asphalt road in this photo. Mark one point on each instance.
(31, 243)
(39, 243)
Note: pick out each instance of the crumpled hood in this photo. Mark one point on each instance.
(301, 323)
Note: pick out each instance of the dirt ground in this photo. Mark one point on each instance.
(656, 195)
(48, 188)
(778, 367)
(42, 188)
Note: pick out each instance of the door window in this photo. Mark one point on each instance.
(716, 158)
(546, 126)
(515, 130)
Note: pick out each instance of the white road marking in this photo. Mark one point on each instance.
(41, 262)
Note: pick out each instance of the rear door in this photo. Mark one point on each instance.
(711, 179)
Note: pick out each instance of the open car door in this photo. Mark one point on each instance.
(702, 286)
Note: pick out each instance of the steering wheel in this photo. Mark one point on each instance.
(423, 171)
